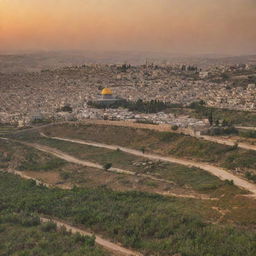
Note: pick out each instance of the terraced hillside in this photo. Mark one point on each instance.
(148, 206)
(239, 161)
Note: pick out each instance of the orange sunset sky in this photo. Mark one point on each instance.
(178, 26)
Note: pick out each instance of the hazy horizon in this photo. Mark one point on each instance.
(181, 27)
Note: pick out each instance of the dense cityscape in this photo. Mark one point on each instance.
(26, 96)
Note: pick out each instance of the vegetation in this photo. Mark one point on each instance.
(6, 128)
(166, 143)
(183, 176)
(150, 223)
(231, 117)
(140, 106)
(175, 127)
(247, 134)
(107, 166)
(31, 163)
(250, 176)
(22, 234)
(21, 157)
(216, 131)
(66, 108)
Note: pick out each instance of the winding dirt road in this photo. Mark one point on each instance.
(99, 240)
(160, 128)
(26, 177)
(75, 160)
(217, 171)
(229, 142)
(166, 128)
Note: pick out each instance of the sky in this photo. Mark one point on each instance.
(173, 26)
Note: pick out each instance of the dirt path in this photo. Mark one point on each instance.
(38, 182)
(229, 142)
(246, 128)
(26, 177)
(167, 128)
(74, 160)
(99, 240)
(103, 242)
(160, 128)
(217, 171)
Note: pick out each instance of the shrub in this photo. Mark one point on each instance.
(66, 108)
(250, 176)
(229, 182)
(48, 227)
(30, 221)
(107, 166)
(248, 134)
(90, 240)
(65, 175)
(79, 238)
(175, 127)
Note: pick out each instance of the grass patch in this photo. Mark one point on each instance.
(195, 178)
(165, 143)
(21, 157)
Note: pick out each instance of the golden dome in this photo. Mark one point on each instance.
(106, 91)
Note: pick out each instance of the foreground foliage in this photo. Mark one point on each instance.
(23, 234)
(151, 223)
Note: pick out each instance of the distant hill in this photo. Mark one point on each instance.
(48, 60)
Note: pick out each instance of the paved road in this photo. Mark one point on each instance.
(217, 171)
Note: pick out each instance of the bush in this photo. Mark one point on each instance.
(65, 175)
(229, 182)
(48, 227)
(235, 146)
(250, 176)
(107, 166)
(175, 127)
(90, 240)
(248, 134)
(222, 131)
(66, 108)
(30, 221)
(79, 238)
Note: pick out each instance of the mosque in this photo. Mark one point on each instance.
(107, 97)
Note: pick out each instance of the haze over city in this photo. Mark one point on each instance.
(176, 26)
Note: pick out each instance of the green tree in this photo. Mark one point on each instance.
(107, 166)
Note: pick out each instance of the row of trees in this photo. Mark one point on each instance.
(210, 114)
(140, 106)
